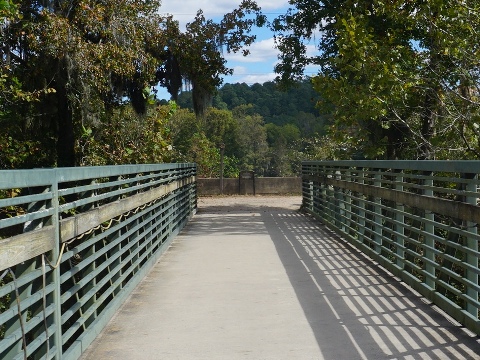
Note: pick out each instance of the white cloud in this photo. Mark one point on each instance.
(260, 51)
(219, 7)
(258, 66)
(188, 8)
(272, 4)
(184, 11)
(240, 70)
(250, 78)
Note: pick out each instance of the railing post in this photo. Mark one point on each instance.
(320, 192)
(316, 191)
(112, 238)
(361, 207)
(400, 221)
(472, 245)
(89, 254)
(330, 196)
(57, 301)
(347, 205)
(222, 155)
(428, 234)
(339, 202)
(377, 182)
(193, 192)
(307, 188)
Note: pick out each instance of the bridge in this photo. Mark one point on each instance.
(380, 263)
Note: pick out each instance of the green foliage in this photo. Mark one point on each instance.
(230, 167)
(249, 144)
(74, 64)
(79, 92)
(252, 137)
(286, 119)
(199, 50)
(70, 68)
(298, 28)
(220, 126)
(399, 78)
(206, 155)
(200, 142)
(273, 145)
(282, 142)
(286, 134)
(15, 154)
(182, 126)
(295, 105)
(128, 138)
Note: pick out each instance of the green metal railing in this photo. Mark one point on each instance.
(74, 242)
(418, 219)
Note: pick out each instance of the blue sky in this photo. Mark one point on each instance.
(258, 66)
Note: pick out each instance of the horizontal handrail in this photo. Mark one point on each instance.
(419, 219)
(74, 242)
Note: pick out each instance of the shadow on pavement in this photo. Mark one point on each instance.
(356, 309)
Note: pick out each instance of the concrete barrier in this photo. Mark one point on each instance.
(263, 186)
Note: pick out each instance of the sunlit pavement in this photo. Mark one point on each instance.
(253, 278)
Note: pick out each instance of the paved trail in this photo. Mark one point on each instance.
(252, 278)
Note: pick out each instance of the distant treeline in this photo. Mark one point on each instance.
(296, 105)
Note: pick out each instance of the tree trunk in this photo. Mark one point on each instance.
(65, 128)
(429, 117)
(202, 99)
(397, 135)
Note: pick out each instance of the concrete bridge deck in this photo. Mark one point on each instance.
(252, 278)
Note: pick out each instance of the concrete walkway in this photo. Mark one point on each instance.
(252, 278)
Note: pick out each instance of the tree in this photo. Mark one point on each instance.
(302, 23)
(399, 77)
(199, 50)
(92, 54)
(18, 149)
(222, 128)
(281, 141)
(373, 53)
(295, 105)
(252, 137)
(129, 138)
(183, 126)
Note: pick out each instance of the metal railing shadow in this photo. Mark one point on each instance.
(356, 309)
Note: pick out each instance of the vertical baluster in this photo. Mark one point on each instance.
(111, 239)
(348, 202)
(472, 244)
(361, 208)
(378, 218)
(312, 190)
(341, 200)
(428, 230)
(88, 256)
(400, 222)
(326, 196)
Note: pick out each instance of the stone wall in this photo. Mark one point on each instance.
(263, 186)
